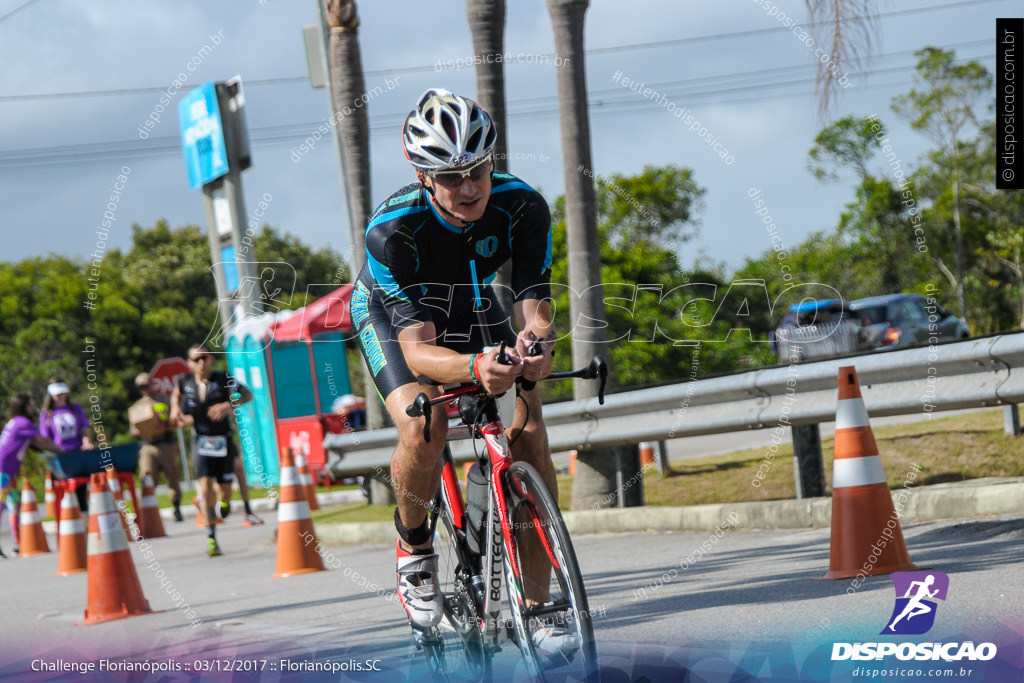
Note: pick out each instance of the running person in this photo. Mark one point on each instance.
(205, 399)
(429, 248)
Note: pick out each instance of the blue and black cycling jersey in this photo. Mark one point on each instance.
(422, 268)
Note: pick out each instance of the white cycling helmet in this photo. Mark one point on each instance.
(447, 131)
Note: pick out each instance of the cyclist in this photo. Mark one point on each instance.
(430, 249)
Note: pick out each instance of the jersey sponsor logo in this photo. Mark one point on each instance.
(487, 246)
(374, 353)
(360, 304)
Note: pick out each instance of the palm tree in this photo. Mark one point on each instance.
(487, 25)
(348, 85)
(595, 472)
(846, 27)
(353, 130)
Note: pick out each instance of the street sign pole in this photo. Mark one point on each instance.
(217, 151)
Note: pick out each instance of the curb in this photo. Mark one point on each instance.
(977, 497)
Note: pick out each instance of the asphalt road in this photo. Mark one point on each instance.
(751, 603)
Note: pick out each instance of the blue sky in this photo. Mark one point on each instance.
(737, 71)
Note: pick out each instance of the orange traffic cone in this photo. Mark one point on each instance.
(50, 498)
(572, 463)
(150, 524)
(647, 453)
(296, 547)
(114, 484)
(33, 538)
(114, 591)
(866, 534)
(71, 556)
(307, 481)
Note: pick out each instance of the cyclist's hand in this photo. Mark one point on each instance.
(498, 378)
(534, 367)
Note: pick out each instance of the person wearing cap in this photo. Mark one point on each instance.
(18, 435)
(157, 447)
(65, 423)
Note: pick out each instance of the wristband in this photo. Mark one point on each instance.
(472, 367)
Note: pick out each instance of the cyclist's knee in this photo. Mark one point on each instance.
(410, 435)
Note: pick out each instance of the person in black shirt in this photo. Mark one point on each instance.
(205, 400)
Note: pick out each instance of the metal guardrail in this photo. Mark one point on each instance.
(983, 372)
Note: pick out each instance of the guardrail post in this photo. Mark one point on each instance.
(808, 467)
(1011, 419)
(378, 491)
(629, 480)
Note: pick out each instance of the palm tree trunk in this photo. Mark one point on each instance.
(487, 25)
(347, 87)
(353, 130)
(595, 470)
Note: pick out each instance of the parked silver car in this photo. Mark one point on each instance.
(899, 321)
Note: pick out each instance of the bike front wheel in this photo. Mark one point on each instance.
(548, 601)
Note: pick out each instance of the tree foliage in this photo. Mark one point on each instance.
(102, 321)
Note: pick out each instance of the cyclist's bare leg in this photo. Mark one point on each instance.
(416, 465)
(531, 446)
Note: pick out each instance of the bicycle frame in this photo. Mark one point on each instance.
(499, 537)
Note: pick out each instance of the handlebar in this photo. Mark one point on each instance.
(597, 369)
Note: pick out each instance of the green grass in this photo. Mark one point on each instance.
(947, 449)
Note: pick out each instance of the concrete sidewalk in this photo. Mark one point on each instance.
(973, 498)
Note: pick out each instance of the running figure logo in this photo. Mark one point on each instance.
(914, 613)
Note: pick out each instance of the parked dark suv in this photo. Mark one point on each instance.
(899, 321)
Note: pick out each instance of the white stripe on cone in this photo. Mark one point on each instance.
(293, 512)
(858, 471)
(28, 496)
(30, 517)
(290, 477)
(149, 502)
(71, 527)
(110, 538)
(850, 412)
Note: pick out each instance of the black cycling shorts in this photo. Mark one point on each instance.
(378, 341)
(221, 470)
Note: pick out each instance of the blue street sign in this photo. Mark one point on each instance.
(202, 136)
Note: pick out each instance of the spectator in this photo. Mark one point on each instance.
(19, 433)
(158, 448)
(66, 424)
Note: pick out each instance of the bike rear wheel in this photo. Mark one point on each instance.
(457, 651)
(550, 593)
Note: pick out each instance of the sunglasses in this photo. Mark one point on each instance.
(452, 179)
(198, 358)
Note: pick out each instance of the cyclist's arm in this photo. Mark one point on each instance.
(425, 357)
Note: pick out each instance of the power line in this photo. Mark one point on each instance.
(291, 80)
(628, 103)
(15, 11)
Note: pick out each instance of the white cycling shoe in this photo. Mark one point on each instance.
(417, 588)
(556, 644)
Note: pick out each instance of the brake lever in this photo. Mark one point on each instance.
(599, 368)
(534, 349)
(421, 408)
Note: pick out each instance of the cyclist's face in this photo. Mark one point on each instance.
(461, 195)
